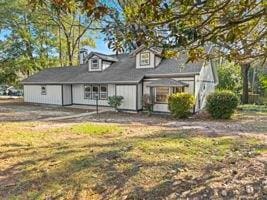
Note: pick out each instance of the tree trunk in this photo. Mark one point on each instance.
(69, 52)
(244, 73)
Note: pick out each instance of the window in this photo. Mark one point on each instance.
(161, 94)
(145, 58)
(95, 91)
(178, 89)
(43, 90)
(94, 64)
(103, 92)
(87, 92)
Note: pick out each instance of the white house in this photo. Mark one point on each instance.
(143, 71)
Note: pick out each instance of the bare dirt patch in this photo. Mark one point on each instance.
(134, 157)
(16, 110)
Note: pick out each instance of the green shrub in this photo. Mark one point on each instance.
(115, 101)
(180, 104)
(222, 104)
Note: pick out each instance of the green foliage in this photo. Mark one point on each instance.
(180, 104)
(263, 81)
(148, 103)
(230, 77)
(39, 38)
(181, 25)
(115, 101)
(222, 104)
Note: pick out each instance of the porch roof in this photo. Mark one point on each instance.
(167, 82)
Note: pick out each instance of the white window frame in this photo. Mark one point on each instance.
(95, 65)
(95, 94)
(89, 96)
(103, 95)
(92, 95)
(144, 61)
(43, 90)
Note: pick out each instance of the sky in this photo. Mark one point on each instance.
(101, 46)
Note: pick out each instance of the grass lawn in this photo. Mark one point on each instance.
(100, 161)
(253, 108)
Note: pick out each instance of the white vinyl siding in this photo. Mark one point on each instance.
(140, 96)
(205, 84)
(32, 94)
(78, 95)
(160, 108)
(67, 95)
(158, 60)
(129, 96)
(105, 65)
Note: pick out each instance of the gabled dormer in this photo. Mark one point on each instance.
(98, 62)
(147, 57)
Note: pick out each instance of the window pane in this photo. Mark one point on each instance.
(162, 94)
(87, 95)
(95, 88)
(103, 96)
(43, 90)
(87, 92)
(145, 58)
(95, 95)
(177, 90)
(103, 88)
(87, 88)
(94, 64)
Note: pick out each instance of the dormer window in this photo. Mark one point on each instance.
(145, 58)
(94, 64)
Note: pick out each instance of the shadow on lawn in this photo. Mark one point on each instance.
(67, 170)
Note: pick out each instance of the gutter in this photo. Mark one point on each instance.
(171, 75)
(59, 83)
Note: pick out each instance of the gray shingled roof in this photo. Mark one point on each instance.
(155, 50)
(122, 71)
(166, 82)
(102, 56)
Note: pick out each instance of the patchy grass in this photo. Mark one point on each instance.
(95, 129)
(253, 108)
(44, 161)
(194, 151)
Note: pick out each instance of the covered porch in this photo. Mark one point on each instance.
(160, 89)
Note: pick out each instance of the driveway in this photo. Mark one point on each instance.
(16, 110)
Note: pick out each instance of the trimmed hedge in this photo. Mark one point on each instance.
(180, 104)
(222, 104)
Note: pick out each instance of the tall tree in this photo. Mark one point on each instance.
(26, 45)
(35, 37)
(73, 27)
(237, 28)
